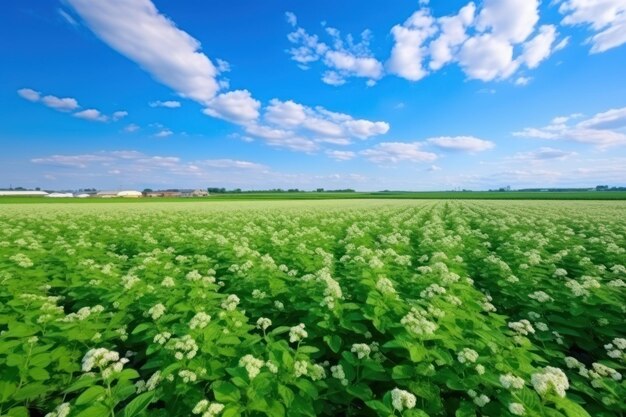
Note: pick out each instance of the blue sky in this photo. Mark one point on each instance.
(368, 95)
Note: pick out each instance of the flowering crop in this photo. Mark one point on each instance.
(356, 308)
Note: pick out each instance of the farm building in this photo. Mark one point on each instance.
(194, 193)
(60, 195)
(83, 195)
(130, 194)
(11, 193)
(106, 194)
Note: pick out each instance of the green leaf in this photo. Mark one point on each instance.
(308, 349)
(334, 342)
(141, 328)
(38, 374)
(139, 404)
(18, 412)
(570, 408)
(7, 389)
(361, 391)
(30, 391)
(402, 372)
(96, 410)
(91, 395)
(127, 374)
(82, 382)
(225, 392)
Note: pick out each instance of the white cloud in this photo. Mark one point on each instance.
(521, 81)
(131, 128)
(170, 104)
(453, 33)
(291, 18)
(510, 20)
(235, 106)
(539, 47)
(29, 94)
(603, 130)
(67, 17)
(60, 104)
(91, 115)
(231, 163)
(285, 113)
(409, 50)
(344, 58)
(363, 129)
(486, 57)
(394, 152)
(606, 18)
(469, 144)
(163, 133)
(340, 155)
(544, 153)
(119, 115)
(138, 31)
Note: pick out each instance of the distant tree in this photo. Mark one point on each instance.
(320, 190)
(602, 188)
(147, 190)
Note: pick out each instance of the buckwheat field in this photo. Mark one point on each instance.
(354, 308)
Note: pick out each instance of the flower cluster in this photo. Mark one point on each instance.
(467, 355)
(548, 380)
(62, 410)
(417, 323)
(480, 400)
(230, 303)
(402, 400)
(185, 347)
(511, 382)
(297, 333)
(253, 365)
(208, 409)
(522, 327)
(156, 311)
(199, 321)
(338, 373)
(107, 361)
(362, 350)
(263, 323)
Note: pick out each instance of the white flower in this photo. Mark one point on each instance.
(207, 409)
(432, 290)
(480, 369)
(467, 355)
(362, 350)
(297, 333)
(517, 409)
(99, 357)
(271, 366)
(550, 379)
(184, 347)
(258, 294)
(253, 365)
(540, 296)
(317, 372)
(300, 368)
(168, 282)
(279, 306)
(510, 381)
(385, 286)
(62, 410)
(156, 311)
(230, 303)
(402, 400)
(263, 323)
(560, 272)
(481, 400)
(338, 373)
(187, 376)
(162, 338)
(199, 321)
(416, 323)
(522, 327)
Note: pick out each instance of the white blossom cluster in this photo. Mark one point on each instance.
(540, 296)
(467, 355)
(332, 292)
(107, 361)
(480, 400)
(522, 327)
(62, 410)
(263, 323)
(253, 365)
(297, 333)
(184, 347)
(150, 385)
(82, 314)
(199, 321)
(517, 409)
(362, 350)
(22, 260)
(338, 373)
(230, 303)
(208, 409)
(511, 382)
(385, 286)
(402, 400)
(162, 338)
(156, 311)
(300, 368)
(616, 349)
(432, 290)
(550, 379)
(416, 322)
(187, 376)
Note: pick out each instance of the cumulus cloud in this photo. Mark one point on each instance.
(343, 57)
(29, 94)
(131, 128)
(461, 143)
(138, 31)
(163, 133)
(606, 19)
(235, 106)
(170, 104)
(543, 153)
(394, 152)
(92, 115)
(119, 115)
(340, 155)
(61, 104)
(603, 130)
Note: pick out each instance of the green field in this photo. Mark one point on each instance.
(436, 195)
(392, 307)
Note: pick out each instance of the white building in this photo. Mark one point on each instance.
(82, 195)
(60, 195)
(130, 194)
(11, 193)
